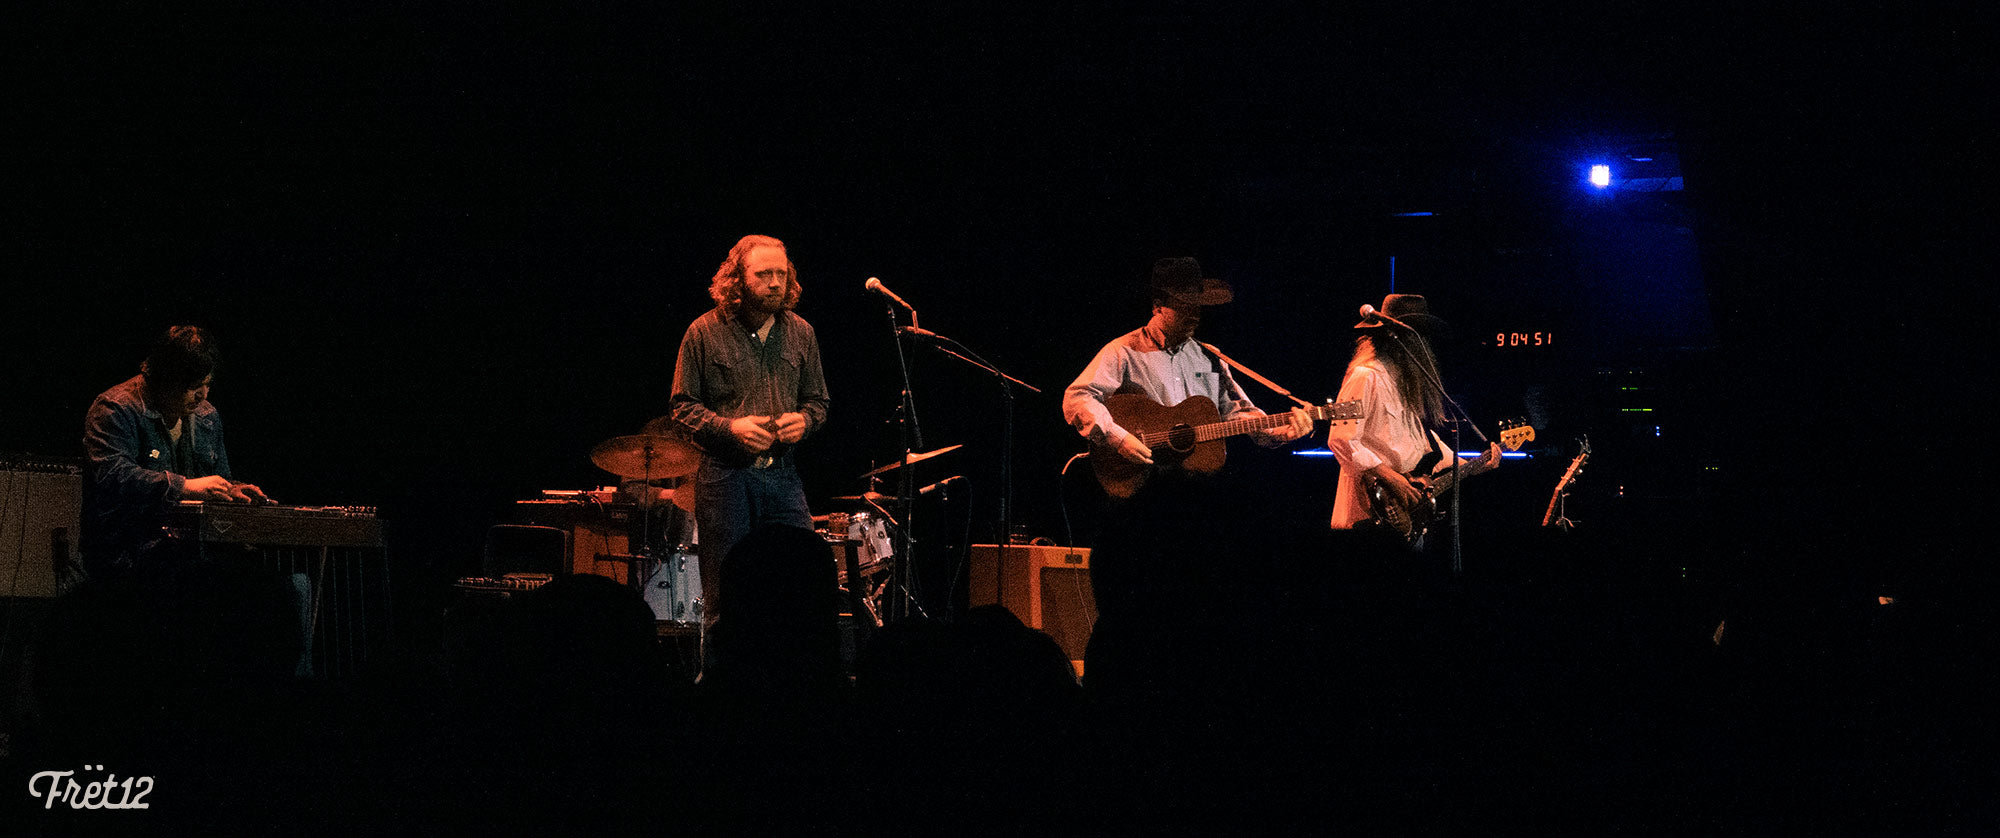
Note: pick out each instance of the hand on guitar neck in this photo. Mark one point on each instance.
(1300, 423)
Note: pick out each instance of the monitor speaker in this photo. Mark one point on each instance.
(1048, 588)
(41, 508)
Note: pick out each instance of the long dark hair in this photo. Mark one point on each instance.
(1412, 366)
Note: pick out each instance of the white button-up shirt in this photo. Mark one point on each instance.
(1387, 432)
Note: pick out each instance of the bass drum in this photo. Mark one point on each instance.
(672, 586)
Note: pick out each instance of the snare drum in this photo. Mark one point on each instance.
(673, 586)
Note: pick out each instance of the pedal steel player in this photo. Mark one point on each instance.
(151, 441)
(747, 387)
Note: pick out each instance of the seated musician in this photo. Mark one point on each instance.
(1163, 362)
(152, 441)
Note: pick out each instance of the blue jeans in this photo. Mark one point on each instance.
(731, 501)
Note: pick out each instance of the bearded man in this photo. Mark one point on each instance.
(748, 388)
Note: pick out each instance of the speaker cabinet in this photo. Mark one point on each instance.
(39, 522)
(1047, 587)
(595, 530)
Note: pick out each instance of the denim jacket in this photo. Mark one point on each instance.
(135, 471)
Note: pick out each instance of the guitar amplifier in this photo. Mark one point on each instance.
(1047, 587)
(596, 531)
(39, 524)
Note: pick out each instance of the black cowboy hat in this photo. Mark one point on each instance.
(1179, 279)
(1413, 311)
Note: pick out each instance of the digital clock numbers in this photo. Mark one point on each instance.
(1517, 339)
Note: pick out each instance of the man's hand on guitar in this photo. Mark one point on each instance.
(753, 433)
(791, 427)
(1301, 425)
(1406, 494)
(1135, 450)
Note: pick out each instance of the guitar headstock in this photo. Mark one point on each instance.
(1346, 411)
(1515, 433)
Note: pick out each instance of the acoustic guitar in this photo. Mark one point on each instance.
(1185, 437)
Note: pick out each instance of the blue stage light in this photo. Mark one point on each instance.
(1600, 176)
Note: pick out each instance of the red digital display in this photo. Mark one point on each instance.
(1506, 340)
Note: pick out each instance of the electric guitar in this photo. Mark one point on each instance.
(1188, 436)
(1575, 468)
(1412, 521)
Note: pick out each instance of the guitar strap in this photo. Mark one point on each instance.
(1217, 353)
(1431, 458)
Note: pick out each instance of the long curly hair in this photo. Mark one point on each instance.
(726, 289)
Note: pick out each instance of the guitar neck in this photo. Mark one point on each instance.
(1251, 424)
(1575, 466)
(1234, 427)
(1510, 440)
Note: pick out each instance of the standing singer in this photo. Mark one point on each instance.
(748, 387)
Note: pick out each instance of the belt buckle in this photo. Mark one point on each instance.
(765, 460)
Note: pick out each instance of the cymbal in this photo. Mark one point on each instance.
(645, 455)
(867, 497)
(913, 458)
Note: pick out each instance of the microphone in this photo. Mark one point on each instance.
(876, 286)
(1369, 314)
(941, 484)
(922, 333)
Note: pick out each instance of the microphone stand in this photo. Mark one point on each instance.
(1430, 372)
(1007, 384)
(913, 440)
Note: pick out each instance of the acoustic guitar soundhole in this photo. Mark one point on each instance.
(1181, 438)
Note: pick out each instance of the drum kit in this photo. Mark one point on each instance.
(669, 578)
(864, 548)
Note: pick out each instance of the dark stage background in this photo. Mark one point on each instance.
(449, 250)
(449, 253)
